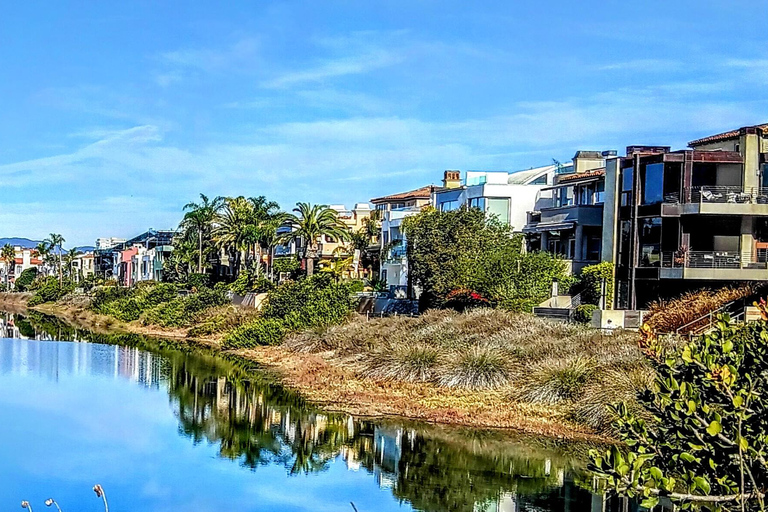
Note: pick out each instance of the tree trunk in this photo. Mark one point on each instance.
(60, 275)
(199, 251)
(310, 266)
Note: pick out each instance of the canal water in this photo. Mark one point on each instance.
(167, 430)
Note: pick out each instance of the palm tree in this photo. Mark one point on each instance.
(43, 251)
(9, 257)
(55, 241)
(200, 218)
(309, 223)
(70, 258)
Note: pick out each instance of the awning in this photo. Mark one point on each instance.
(571, 183)
(541, 227)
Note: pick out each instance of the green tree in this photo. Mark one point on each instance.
(463, 249)
(9, 256)
(702, 439)
(309, 223)
(55, 241)
(199, 221)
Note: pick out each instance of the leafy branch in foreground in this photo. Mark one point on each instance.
(705, 444)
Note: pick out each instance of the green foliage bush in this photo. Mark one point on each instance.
(264, 331)
(47, 289)
(128, 304)
(313, 302)
(181, 311)
(592, 277)
(462, 249)
(706, 429)
(250, 281)
(198, 281)
(583, 313)
(287, 264)
(25, 280)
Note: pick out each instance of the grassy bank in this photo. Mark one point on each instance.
(483, 368)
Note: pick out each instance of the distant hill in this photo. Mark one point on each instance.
(22, 242)
(26, 243)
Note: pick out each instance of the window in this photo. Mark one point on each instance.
(649, 234)
(626, 186)
(477, 202)
(564, 196)
(600, 193)
(447, 206)
(541, 180)
(499, 208)
(653, 184)
(593, 248)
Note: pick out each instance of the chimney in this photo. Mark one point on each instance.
(584, 161)
(452, 179)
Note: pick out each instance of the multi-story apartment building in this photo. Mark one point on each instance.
(686, 219)
(508, 196)
(392, 210)
(571, 225)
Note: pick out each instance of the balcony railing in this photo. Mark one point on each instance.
(723, 194)
(713, 259)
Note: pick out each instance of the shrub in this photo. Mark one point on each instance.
(296, 305)
(24, 281)
(463, 299)
(47, 289)
(592, 277)
(198, 281)
(181, 311)
(264, 331)
(518, 305)
(356, 285)
(668, 316)
(583, 313)
(249, 281)
(286, 265)
(127, 304)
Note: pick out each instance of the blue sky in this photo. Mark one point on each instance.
(115, 114)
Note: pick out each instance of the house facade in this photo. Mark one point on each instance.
(682, 220)
(571, 225)
(507, 196)
(392, 210)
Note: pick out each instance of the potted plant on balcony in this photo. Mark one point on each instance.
(681, 256)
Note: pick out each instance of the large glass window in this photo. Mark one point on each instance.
(649, 234)
(626, 186)
(447, 206)
(477, 202)
(653, 184)
(499, 208)
(600, 193)
(564, 196)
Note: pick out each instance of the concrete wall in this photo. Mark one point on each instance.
(610, 209)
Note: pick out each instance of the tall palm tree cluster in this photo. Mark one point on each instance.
(246, 231)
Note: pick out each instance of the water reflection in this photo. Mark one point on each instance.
(251, 420)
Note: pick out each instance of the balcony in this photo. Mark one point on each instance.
(718, 200)
(717, 265)
(565, 217)
(395, 255)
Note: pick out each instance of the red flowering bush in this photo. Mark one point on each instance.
(463, 299)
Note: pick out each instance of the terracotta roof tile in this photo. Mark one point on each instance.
(726, 135)
(419, 193)
(577, 176)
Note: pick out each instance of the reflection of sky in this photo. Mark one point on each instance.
(71, 416)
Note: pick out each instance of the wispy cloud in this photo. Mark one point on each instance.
(649, 65)
(349, 65)
(243, 52)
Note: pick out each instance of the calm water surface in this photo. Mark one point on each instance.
(165, 430)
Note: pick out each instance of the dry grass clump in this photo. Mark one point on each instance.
(415, 363)
(669, 315)
(480, 368)
(553, 381)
